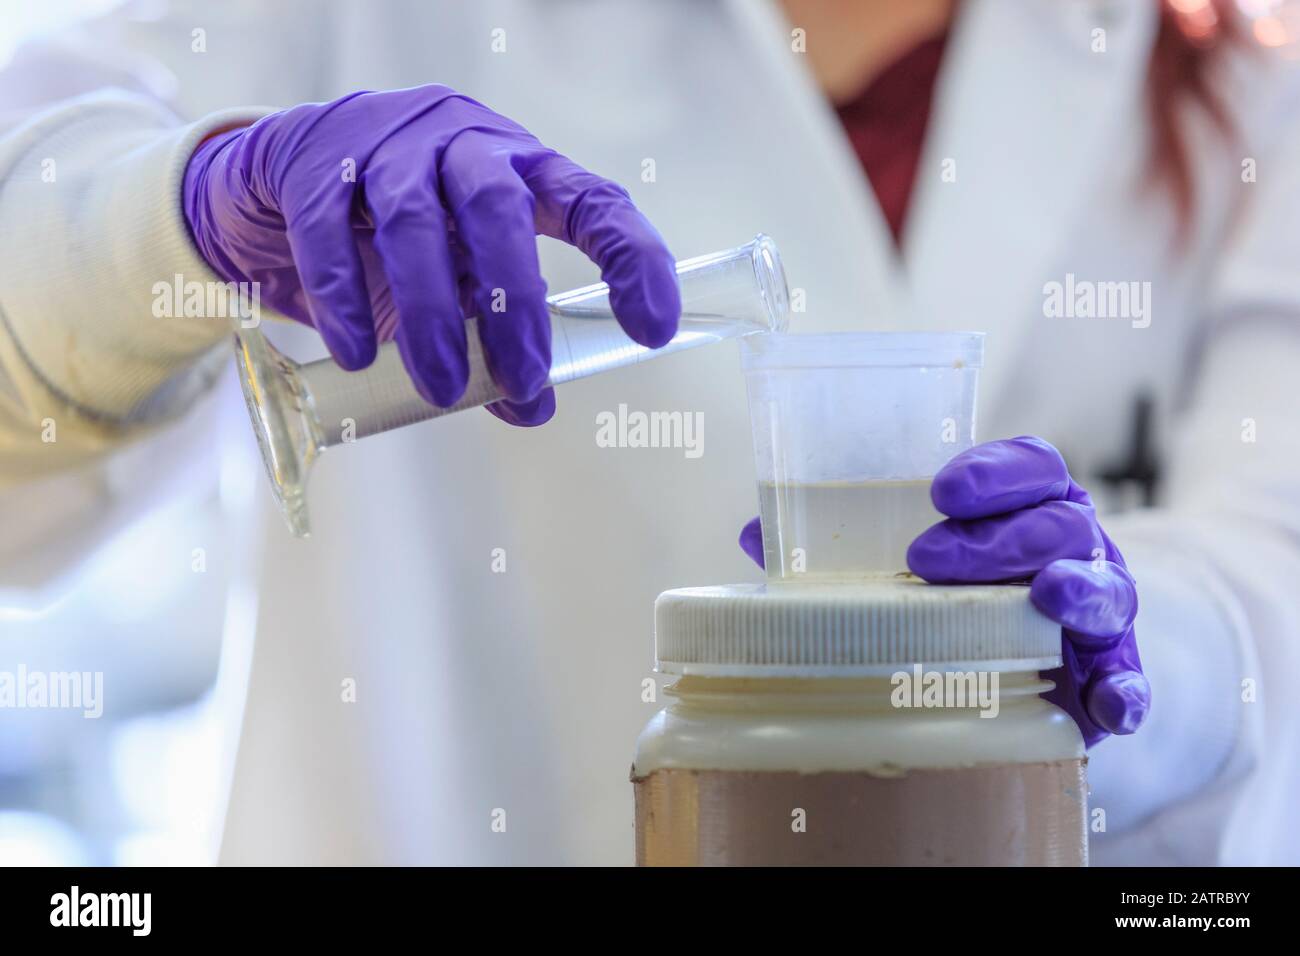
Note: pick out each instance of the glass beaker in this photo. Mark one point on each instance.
(299, 410)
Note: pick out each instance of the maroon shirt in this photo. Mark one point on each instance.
(886, 124)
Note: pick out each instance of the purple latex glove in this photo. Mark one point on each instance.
(397, 214)
(1015, 514)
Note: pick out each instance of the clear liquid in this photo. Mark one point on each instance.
(587, 339)
(842, 529)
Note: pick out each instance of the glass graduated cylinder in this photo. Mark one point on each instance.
(298, 410)
(724, 295)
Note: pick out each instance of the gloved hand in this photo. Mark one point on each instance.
(397, 214)
(1016, 514)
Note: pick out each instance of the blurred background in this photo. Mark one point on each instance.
(155, 609)
(144, 783)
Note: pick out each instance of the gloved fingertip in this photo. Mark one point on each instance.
(524, 383)
(950, 489)
(528, 414)
(446, 390)
(751, 541)
(1096, 602)
(441, 379)
(1119, 702)
(352, 355)
(518, 358)
(441, 392)
(918, 559)
(350, 348)
(657, 333)
(999, 476)
(1049, 593)
(663, 312)
(518, 368)
(929, 556)
(648, 302)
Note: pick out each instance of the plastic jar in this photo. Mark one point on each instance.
(800, 730)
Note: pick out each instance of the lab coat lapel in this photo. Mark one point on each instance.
(1024, 110)
(864, 286)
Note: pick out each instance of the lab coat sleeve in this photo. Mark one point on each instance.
(93, 241)
(1218, 569)
(97, 123)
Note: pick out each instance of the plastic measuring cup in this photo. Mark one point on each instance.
(849, 429)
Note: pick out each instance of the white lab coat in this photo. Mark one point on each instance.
(522, 690)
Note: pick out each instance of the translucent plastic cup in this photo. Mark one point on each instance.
(849, 430)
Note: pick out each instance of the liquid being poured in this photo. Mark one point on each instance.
(842, 529)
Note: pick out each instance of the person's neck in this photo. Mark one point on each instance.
(849, 42)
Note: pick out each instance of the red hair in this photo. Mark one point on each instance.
(1191, 36)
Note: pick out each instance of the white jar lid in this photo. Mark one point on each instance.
(871, 627)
